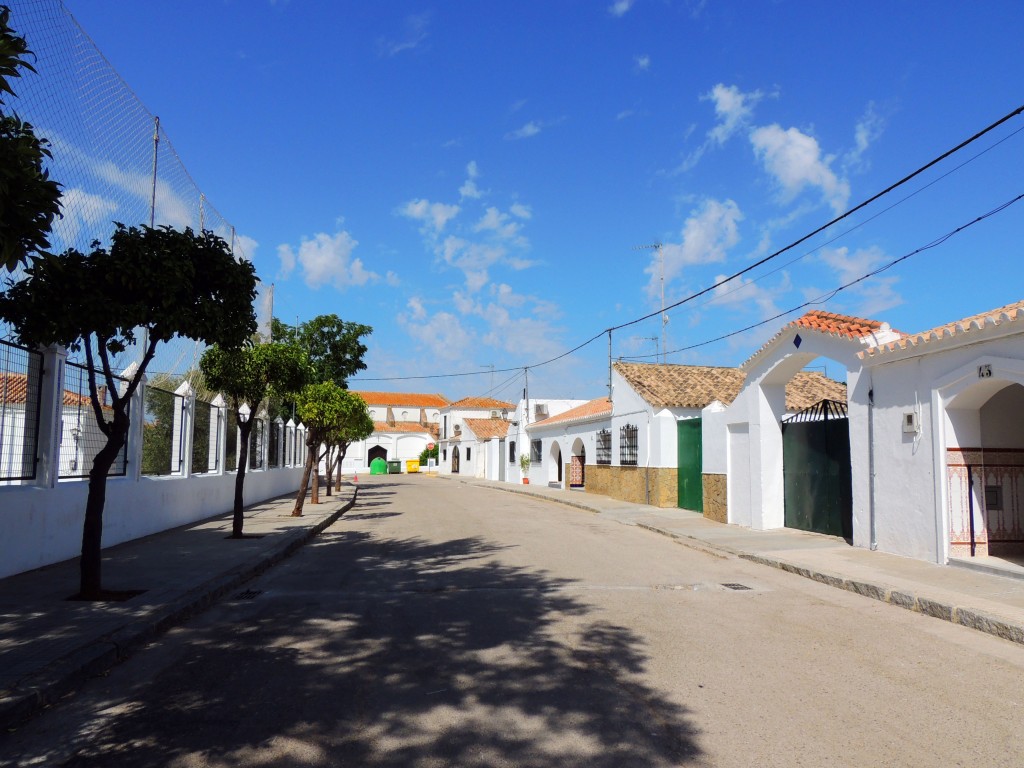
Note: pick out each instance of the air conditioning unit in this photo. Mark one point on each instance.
(457, 429)
(495, 415)
(540, 411)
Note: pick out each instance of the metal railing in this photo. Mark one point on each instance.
(21, 384)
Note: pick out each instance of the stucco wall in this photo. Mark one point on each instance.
(715, 499)
(634, 483)
(44, 525)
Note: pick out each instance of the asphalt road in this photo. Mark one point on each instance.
(439, 624)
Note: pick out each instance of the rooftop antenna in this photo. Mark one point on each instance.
(656, 348)
(490, 392)
(661, 261)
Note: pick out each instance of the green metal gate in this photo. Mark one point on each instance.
(690, 459)
(816, 470)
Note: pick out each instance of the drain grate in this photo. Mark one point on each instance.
(736, 587)
(248, 594)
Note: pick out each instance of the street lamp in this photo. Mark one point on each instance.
(244, 411)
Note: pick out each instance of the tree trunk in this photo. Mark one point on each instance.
(91, 564)
(329, 466)
(342, 451)
(238, 520)
(300, 498)
(314, 495)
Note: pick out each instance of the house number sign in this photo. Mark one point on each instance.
(984, 371)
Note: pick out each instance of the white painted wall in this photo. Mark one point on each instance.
(43, 526)
(714, 440)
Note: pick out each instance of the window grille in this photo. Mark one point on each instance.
(274, 451)
(604, 446)
(257, 440)
(230, 440)
(21, 384)
(160, 454)
(205, 438)
(468, 453)
(512, 452)
(628, 445)
(81, 438)
(535, 454)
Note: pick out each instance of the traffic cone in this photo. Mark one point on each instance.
(355, 478)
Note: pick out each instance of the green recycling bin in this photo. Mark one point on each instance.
(378, 467)
(394, 467)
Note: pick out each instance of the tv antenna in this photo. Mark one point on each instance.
(661, 262)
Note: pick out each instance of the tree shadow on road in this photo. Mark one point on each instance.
(406, 652)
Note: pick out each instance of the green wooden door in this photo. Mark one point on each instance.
(690, 459)
(817, 477)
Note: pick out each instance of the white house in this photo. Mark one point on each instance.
(405, 423)
(934, 456)
(565, 442)
(467, 449)
(947, 426)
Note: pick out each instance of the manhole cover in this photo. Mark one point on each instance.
(735, 586)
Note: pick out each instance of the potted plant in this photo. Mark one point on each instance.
(524, 465)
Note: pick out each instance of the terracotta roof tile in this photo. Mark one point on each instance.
(485, 429)
(682, 386)
(840, 325)
(697, 386)
(412, 399)
(1006, 314)
(405, 427)
(600, 406)
(483, 402)
(14, 389)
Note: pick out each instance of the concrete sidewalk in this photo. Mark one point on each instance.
(49, 644)
(989, 598)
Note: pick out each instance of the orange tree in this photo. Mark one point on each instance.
(161, 281)
(249, 375)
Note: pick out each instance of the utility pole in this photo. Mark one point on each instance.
(661, 261)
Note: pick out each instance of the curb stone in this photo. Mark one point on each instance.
(64, 675)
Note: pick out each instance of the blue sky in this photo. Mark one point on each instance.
(472, 178)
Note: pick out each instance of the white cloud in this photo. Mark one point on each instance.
(874, 294)
(326, 260)
(521, 211)
(532, 128)
(433, 216)
(867, 131)
(733, 108)
(500, 224)
(84, 214)
(392, 279)
(620, 7)
(415, 305)
(794, 159)
(707, 235)
(245, 247)
(443, 335)
(469, 188)
(743, 295)
(416, 32)
(642, 63)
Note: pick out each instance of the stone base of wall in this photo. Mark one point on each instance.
(715, 506)
(657, 486)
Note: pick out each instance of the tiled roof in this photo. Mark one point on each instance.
(14, 389)
(682, 386)
(405, 427)
(696, 386)
(483, 402)
(485, 429)
(600, 406)
(411, 399)
(809, 388)
(1009, 314)
(839, 325)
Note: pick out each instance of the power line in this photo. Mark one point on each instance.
(823, 298)
(825, 226)
(760, 262)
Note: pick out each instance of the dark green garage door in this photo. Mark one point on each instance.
(816, 468)
(690, 457)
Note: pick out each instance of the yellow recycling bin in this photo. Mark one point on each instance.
(412, 465)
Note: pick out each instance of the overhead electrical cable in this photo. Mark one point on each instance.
(988, 129)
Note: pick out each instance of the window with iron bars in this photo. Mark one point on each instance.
(512, 452)
(205, 437)
(628, 445)
(604, 446)
(535, 452)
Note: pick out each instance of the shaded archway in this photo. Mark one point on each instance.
(984, 458)
(377, 452)
(577, 464)
(555, 464)
(455, 460)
